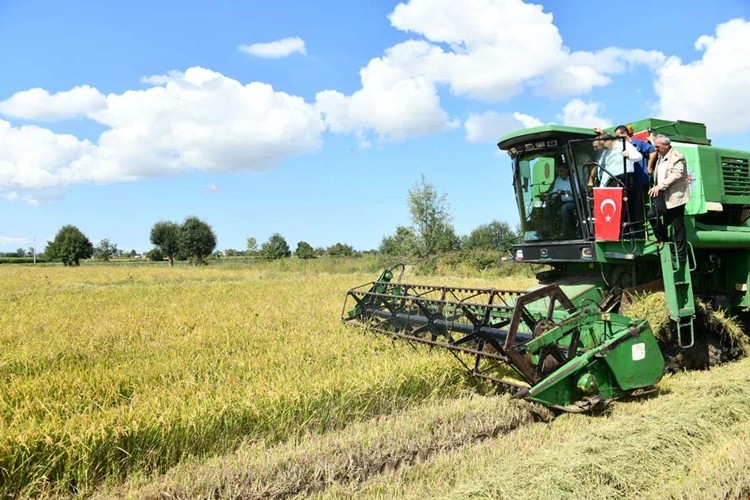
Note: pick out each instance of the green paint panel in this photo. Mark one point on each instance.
(636, 362)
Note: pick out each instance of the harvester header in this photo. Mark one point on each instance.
(567, 357)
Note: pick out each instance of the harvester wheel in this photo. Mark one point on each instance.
(715, 343)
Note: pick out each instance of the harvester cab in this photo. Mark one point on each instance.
(555, 173)
(563, 342)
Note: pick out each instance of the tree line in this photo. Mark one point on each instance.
(431, 233)
(193, 240)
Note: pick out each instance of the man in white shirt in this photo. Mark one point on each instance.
(613, 171)
(611, 154)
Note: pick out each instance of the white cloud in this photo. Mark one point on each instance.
(495, 46)
(33, 196)
(712, 90)
(38, 104)
(484, 49)
(490, 50)
(35, 157)
(578, 113)
(582, 71)
(489, 126)
(392, 101)
(277, 49)
(498, 47)
(198, 119)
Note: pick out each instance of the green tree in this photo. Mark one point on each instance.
(275, 248)
(430, 214)
(340, 250)
(197, 239)
(304, 250)
(252, 246)
(493, 236)
(166, 236)
(105, 250)
(403, 243)
(155, 255)
(69, 246)
(20, 252)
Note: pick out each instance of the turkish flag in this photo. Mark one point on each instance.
(642, 135)
(607, 213)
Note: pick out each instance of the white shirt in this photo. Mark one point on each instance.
(612, 162)
(661, 170)
(563, 185)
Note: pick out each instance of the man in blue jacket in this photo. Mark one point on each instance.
(642, 177)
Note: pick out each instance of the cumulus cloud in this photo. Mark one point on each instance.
(201, 119)
(33, 197)
(197, 119)
(583, 71)
(490, 50)
(713, 89)
(494, 46)
(489, 126)
(277, 49)
(38, 104)
(35, 157)
(393, 102)
(578, 113)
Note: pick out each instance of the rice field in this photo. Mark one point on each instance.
(144, 382)
(691, 441)
(108, 371)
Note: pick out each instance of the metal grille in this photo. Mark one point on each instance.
(736, 173)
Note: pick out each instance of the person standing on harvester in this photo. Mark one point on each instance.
(670, 193)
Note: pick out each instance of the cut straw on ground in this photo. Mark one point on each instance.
(361, 450)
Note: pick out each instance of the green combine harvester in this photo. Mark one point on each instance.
(565, 341)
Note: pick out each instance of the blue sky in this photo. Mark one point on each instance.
(313, 120)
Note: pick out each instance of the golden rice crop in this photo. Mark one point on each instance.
(109, 370)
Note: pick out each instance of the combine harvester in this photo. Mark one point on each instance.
(564, 339)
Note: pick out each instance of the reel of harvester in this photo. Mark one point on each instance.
(568, 357)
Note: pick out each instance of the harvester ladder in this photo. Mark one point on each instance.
(678, 289)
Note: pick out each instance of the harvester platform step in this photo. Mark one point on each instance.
(681, 282)
(685, 312)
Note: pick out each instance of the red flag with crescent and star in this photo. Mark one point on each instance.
(607, 213)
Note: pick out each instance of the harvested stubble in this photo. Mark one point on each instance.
(690, 441)
(106, 371)
(361, 450)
